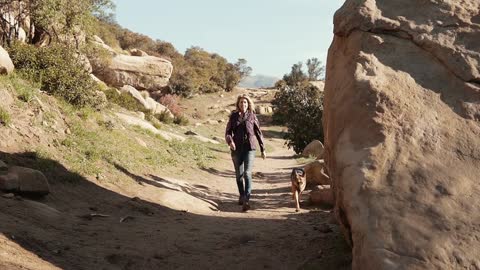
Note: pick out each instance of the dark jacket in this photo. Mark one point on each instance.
(243, 131)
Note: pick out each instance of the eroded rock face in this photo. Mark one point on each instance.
(401, 121)
(142, 72)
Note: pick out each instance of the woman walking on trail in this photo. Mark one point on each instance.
(242, 129)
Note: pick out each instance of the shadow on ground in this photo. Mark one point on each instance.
(138, 234)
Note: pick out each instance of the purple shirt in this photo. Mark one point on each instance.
(243, 130)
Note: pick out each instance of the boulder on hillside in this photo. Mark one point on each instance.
(6, 64)
(142, 72)
(401, 122)
(96, 40)
(315, 148)
(146, 101)
(316, 173)
(262, 109)
(137, 52)
(24, 180)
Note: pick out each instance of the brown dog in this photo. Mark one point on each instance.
(299, 181)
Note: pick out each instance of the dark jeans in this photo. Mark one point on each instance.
(243, 162)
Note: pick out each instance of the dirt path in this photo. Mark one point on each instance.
(160, 222)
(271, 235)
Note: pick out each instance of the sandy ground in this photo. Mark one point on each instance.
(161, 222)
(188, 220)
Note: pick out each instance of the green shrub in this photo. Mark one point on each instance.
(300, 108)
(164, 117)
(57, 70)
(181, 120)
(124, 100)
(4, 117)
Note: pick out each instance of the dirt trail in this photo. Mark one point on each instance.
(162, 222)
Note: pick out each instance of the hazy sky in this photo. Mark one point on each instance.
(271, 35)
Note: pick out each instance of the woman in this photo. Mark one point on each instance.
(242, 129)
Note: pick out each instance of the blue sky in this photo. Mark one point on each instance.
(271, 35)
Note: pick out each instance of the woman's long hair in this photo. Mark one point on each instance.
(251, 106)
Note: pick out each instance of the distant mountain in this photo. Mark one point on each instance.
(258, 81)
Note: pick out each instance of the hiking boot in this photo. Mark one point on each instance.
(240, 200)
(246, 206)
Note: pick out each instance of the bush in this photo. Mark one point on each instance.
(164, 117)
(171, 102)
(57, 70)
(300, 109)
(181, 120)
(4, 117)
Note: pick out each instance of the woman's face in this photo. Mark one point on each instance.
(243, 105)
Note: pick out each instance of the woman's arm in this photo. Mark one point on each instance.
(258, 133)
(229, 131)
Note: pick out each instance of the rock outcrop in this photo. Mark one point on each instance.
(143, 72)
(316, 174)
(146, 101)
(401, 121)
(314, 148)
(23, 180)
(6, 64)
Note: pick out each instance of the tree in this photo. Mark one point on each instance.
(60, 20)
(296, 75)
(300, 109)
(315, 69)
(242, 68)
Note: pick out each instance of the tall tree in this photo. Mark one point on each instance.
(296, 75)
(315, 69)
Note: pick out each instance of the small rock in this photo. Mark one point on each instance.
(191, 133)
(324, 228)
(8, 195)
(259, 175)
(3, 166)
(67, 131)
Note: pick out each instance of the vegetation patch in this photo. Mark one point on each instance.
(57, 70)
(5, 118)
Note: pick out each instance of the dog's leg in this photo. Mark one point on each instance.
(297, 204)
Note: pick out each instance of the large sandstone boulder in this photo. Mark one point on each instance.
(315, 148)
(316, 173)
(24, 180)
(142, 72)
(6, 64)
(401, 121)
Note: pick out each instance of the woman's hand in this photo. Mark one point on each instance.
(264, 155)
(232, 146)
